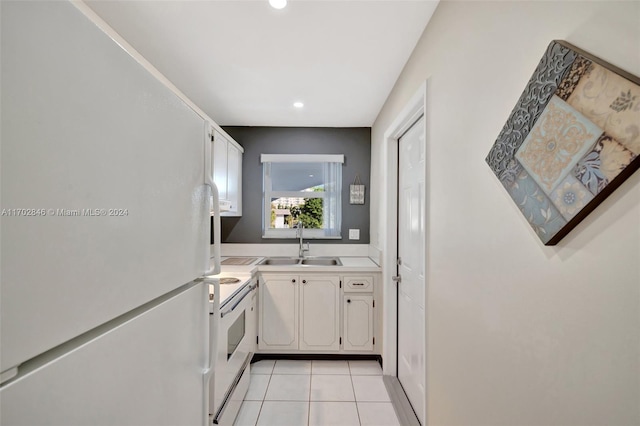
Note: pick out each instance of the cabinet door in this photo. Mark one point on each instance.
(320, 313)
(219, 162)
(278, 312)
(234, 179)
(358, 322)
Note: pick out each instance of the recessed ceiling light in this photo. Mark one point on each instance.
(298, 104)
(278, 4)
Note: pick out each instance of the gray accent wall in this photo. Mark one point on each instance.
(353, 143)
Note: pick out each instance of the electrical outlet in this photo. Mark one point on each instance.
(354, 234)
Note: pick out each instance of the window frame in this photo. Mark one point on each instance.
(332, 198)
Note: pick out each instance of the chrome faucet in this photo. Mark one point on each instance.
(302, 250)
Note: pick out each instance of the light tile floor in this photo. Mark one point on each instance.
(316, 393)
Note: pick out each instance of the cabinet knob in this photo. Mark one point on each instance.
(304, 281)
(348, 300)
(293, 280)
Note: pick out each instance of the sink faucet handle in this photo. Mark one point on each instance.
(303, 250)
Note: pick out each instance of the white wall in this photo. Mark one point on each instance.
(518, 333)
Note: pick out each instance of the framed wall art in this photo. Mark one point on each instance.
(571, 140)
(356, 192)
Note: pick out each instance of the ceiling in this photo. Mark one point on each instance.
(245, 63)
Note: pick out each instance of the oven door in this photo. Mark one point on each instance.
(233, 343)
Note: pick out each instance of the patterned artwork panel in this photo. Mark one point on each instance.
(570, 197)
(568, 84)
(543, 83)
(601, 165)
(536, 207)
(572, 138)
(560, 137)
(510, 173)
(612, 102)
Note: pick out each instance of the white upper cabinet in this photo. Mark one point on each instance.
(227, 173)
(219, 162)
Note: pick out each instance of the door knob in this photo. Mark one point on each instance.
(304, 281)
(348, 300)
(293, 280)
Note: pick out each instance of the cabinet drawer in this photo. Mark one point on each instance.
(359, 283)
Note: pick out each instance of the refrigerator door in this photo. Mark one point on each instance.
(103, 167)
(145, 371)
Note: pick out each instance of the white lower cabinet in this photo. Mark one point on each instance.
(278, 312)
(357, 306)
(358, 322)
(320, 313)
(299, 312)
(316, 313)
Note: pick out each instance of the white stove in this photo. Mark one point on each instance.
(231, 283)
(232, 329)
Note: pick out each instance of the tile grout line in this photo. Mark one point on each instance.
(309, 403)
(355, 398)
(264, 397)
(354, 393)
(265, 394)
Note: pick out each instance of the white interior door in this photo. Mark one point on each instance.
(411, 243)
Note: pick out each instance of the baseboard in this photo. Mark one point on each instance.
(330, 357)
(401, 405)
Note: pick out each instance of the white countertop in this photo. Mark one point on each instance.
(359, 262)
(349, 264)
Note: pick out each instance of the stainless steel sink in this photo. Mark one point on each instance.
(311, 261)
(322, 261)
(280, 261)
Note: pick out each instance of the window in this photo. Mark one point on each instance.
(301, 188)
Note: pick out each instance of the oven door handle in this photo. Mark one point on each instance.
(232, 388)
(235, 305)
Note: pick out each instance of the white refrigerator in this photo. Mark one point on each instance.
(104, 231)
